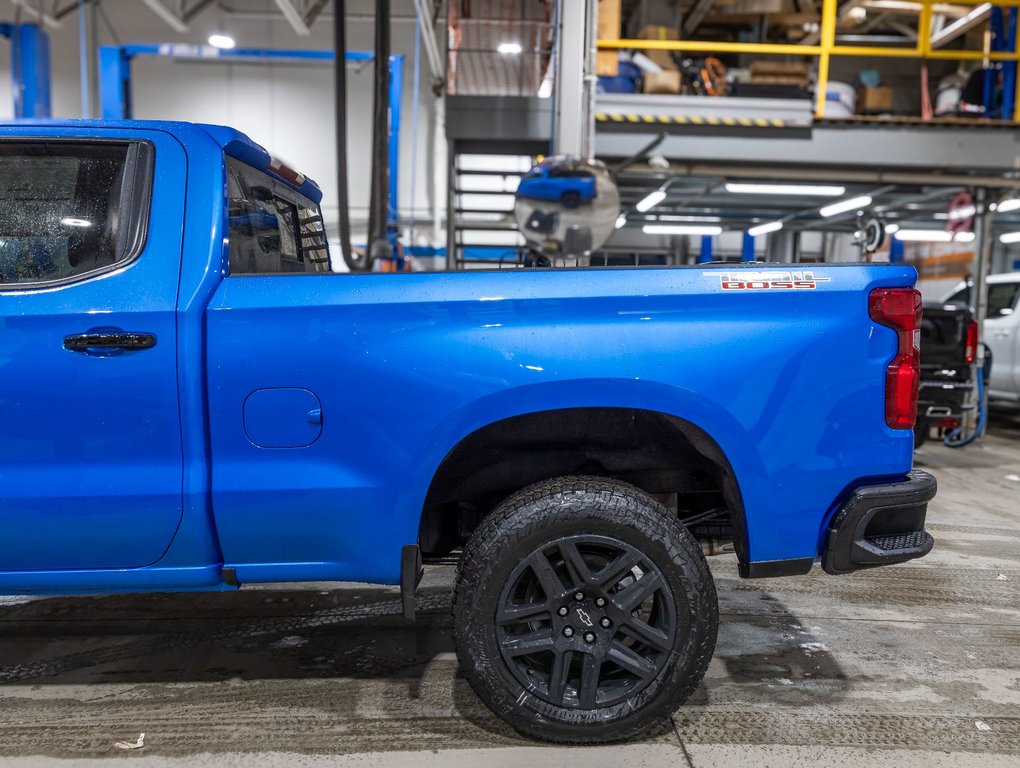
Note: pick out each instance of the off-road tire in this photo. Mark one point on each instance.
(579, 509)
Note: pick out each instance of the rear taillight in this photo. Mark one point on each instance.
(970, 351)
(900, 309)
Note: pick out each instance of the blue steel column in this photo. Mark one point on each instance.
(896, 251)
(396, 96)
(706, 249)
(30, 69)
(747, 249)
(114, 82)
(1009, 68)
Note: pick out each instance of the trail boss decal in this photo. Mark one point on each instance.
(767, 281)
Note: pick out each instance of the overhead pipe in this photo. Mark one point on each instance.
(355, 263)
(378, 214)
(431, 43)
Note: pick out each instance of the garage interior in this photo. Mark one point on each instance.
(786, 132)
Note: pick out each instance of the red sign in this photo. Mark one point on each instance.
(961, 213)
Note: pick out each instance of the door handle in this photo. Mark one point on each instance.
(109, 342)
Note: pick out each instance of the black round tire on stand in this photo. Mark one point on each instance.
(584, 612)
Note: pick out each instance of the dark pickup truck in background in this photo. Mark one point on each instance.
(948, 350)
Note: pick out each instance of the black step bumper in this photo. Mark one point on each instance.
(880, 525)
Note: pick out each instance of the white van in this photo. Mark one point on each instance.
(1001, 332)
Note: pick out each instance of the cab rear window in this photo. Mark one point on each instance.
(69, 209)
(273, 229)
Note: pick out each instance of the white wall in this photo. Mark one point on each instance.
(286, 107)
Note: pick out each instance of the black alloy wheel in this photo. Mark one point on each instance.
(584, 611)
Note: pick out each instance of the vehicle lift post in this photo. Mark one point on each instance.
(115, 84)
(30, 69)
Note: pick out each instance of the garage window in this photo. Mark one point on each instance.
(272, 228)
(70, 209)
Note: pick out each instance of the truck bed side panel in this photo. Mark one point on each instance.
(790, 384)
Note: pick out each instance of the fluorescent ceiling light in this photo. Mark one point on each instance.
(222, 41)
(1010, 237)
(694, 219)
(961, 213)
(509, 48)
(815, 190)
(925, 235)
(680, 229)
(764, 229)
(892, 229)
(1008, 205)
(72, 222)
(621, 220)
(651, 200)
(934, 236)
(853, 204)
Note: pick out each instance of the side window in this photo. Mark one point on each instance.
(1001, 298)
(70, 208)
(272, 228)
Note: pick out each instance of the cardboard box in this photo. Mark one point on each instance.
(607, 62)
(657, 32)
(661, 82)
(870, 100)
(778, 73)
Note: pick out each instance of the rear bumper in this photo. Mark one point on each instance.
(880, 525)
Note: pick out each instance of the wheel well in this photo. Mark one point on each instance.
(668, 457)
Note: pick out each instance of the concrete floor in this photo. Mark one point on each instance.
(917, 665)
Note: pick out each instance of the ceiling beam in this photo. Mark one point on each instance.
(176, 22)
(697, 15)
(909, 8)
(193, 11)
(841, 15)
(32, 12)
(293, 16)
(313, 13)
(961, 26)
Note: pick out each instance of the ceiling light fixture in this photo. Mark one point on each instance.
(621, 220)
(764, 229)
(853, 204)
(680, 229)
(694, 219)
(73, 222)
(222, 41)
(1010, 237)
(810, 190)
(1008, 205)
(892, 229)
(651, 200)
(933, 236)
(509, 48)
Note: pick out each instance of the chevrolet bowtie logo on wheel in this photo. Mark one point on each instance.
(584, 617)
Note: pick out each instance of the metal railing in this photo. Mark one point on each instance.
(827, 47)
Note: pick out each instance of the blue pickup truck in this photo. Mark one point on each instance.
(194, 400)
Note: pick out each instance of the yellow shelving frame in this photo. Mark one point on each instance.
(827, 47)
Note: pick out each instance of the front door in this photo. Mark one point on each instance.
(90, 438)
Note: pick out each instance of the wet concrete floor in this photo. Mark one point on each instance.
(916, 665)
